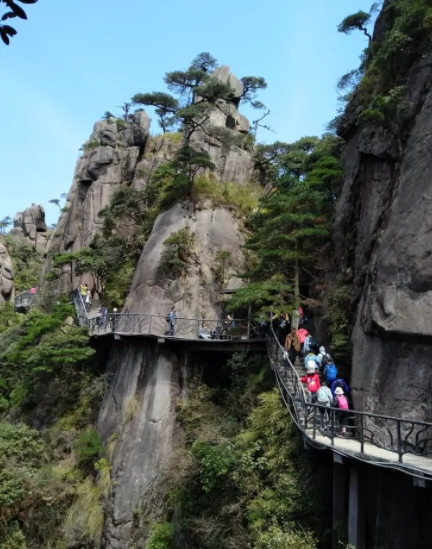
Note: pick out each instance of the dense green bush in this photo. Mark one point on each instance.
(88, 448)
(27, 262)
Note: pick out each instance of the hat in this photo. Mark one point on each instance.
(322, 349)
(339, 391)
(311, 364)
(311, 370)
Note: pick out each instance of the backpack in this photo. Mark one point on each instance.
(342, 402)
(312, 343)
(312, 383)
(326, 359)
(330, 372)
(323, 396)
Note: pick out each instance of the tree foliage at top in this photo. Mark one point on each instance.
(195, 93)
(7, 31)
(290, 231)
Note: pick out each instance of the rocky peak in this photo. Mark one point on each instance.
(30, 225)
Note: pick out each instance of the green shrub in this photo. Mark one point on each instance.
(88, 448)
(214, 463)
(242, 197)
(177, 253)
(161, 536)
(91, 145)
(27, 262)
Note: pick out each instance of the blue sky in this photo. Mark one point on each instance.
(74, 59)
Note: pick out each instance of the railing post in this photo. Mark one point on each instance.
(361, 434)
(332, 430)
(399, 435)
(314, 423)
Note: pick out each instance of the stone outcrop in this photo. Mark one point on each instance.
(382, 248)
(140, 410)
(30, 225)
(122, 153)
(195, 295)
(6, 276)
(235, 164)
(109, 159)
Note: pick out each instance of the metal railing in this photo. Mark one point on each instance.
(185, 328)
(399, 436)
(25, 300)
(155, 325)
(80, 308)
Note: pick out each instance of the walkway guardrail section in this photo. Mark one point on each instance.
(185, 328)
(25, 300)
(402, 436)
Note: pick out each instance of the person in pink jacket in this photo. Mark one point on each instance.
(302, 333)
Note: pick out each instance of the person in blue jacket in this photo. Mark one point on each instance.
(339, 382)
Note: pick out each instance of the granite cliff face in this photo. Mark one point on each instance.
(6, 276)
(123, 153)
(195, 293)
(382, 250)
(110, 158)
(148, 380)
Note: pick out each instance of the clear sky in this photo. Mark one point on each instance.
(74, 59)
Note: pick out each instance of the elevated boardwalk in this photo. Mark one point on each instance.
(195, 334)
(396, 443)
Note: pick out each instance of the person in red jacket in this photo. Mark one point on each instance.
(312, 381)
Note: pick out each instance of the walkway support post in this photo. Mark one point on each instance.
(339, 500)
(355, 510)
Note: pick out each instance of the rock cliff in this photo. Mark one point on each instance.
(6, 275)
(30, 225)
(109, 159)
(195, 293)
(382, 254)
(123, 153)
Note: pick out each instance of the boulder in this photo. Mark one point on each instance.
(30, 225)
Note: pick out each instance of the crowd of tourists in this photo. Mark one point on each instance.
(321, 378)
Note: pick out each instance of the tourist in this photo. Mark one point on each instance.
(311, 357)
(324, 395)
(342, 405)
(83, 290)
(292, 345)
(302, 333)
(88, 300)
(203, 332)
(339, 382)
(101, 317)
(330, 372)
(171, 318)
(324, 357)
(312, 381)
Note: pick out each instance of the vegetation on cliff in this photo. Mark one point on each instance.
(290, 231)
(240, 477)
(50, 390)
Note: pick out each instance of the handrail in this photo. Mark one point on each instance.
(157, 325)
(25, 299)
(373, 435)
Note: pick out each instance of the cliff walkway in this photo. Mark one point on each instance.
(237, 334)
(385, 441)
